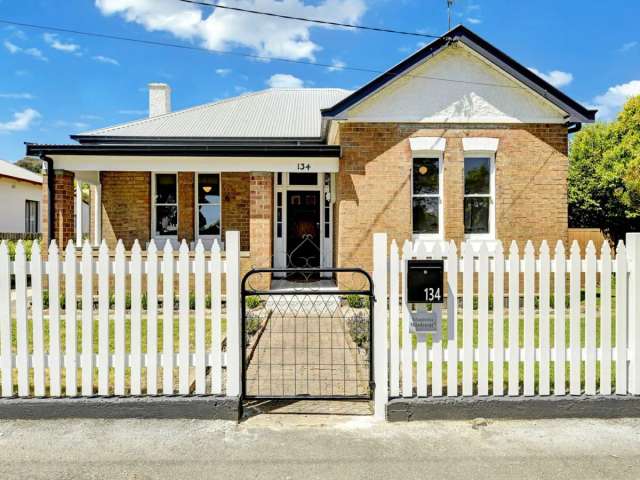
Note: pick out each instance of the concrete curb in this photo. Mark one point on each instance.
(201, 407)
(526, 408)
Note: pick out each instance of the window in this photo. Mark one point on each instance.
(165, 205)
(208, 205)
(478, 192)
(426, 186)
(31, 224)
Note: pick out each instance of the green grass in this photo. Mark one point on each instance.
(95, 342)
(505, 340)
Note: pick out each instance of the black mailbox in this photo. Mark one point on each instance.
(425, 281)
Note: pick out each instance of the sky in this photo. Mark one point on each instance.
(56, 84)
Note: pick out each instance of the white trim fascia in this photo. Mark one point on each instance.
(427, 145)
(173, 164)
(480, 144)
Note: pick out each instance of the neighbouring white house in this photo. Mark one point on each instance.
(20, 200)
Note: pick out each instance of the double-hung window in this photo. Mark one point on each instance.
(208, 221)
(478, 196)
(426, 195)
(31, 223)
(165, 205)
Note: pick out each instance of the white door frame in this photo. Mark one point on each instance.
(280, 243)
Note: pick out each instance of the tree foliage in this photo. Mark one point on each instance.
(604, 174)
(31, 163)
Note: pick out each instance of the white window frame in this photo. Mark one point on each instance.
(207, 239)
(491, 155)
(440, 157)
(154, 234)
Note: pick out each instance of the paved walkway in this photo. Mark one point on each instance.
(307, 349)
(314, 447)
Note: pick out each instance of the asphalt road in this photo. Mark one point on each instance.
(308, 447)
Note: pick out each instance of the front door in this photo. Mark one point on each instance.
(303, 229)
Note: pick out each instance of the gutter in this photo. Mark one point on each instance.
(574, 127)
(188, 150)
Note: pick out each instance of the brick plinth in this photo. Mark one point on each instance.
(261, 219)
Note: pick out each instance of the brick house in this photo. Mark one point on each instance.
(456, 142)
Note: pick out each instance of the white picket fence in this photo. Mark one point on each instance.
(57, 367)
(478, 359)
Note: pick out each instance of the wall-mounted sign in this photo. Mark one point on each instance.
(425, 281)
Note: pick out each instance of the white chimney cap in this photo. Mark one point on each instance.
(159, 99)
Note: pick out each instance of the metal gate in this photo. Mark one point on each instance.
(306, 337)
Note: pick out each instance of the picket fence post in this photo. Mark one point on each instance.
(380, 364)
(5, 321)
(234, 332)
(633, 255)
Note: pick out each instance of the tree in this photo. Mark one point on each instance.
(31, 163)
(604, 175)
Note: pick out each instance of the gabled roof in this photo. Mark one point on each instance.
(11, 170)
(274, 113)
(576, 112)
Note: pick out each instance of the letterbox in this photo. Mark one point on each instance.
(425, 281)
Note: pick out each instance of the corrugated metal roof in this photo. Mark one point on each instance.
(9, 169)
(272, 113)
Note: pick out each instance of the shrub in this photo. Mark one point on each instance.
(11, 244)
(253, 324)
(253, 301)
(357, 301)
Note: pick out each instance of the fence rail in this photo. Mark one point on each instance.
(570, 325)
(143, 348)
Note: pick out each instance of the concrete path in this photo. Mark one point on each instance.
(307, 349)
(292, 447)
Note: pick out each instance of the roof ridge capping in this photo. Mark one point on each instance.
(577, 113)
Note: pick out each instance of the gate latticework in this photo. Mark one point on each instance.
(307, 340)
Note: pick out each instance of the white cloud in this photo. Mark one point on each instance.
(336, 65)
(103, 59)
(225, 29)
(223, 72)
(284, 80)
(628, 46)
(474, 21)
(610, 102)
(54, 42)
(17, 96)
(557, 78)
(21, 121)
(33, 52)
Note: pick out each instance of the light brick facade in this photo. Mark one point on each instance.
(126, 207)
(261, 218)
(373, 192)
(235, 205)
(374, 184)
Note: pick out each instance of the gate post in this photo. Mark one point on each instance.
(380, 322)
(234, 350)
(633, 299)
